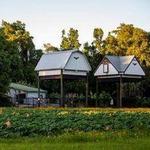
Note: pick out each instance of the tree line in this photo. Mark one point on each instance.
(18, 56)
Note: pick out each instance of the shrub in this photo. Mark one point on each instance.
(5, 101)
(104, 99)
(143, 102)
(136, 102)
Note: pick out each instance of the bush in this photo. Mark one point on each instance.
(5, 101)
(29, 122)
(143, 102)
(136, 102)
(104, 99)
(54, 95)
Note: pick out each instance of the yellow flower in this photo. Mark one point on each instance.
(1, 110)
(8, 124)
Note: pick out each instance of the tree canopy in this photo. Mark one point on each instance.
(70, 41)
(128, 40)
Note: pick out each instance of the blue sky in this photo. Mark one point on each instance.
(45, 19)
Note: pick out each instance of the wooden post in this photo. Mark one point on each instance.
(61, 89)
(117, 94)
(38, 90)
(96, 90)
(120, 92)
(87, 90)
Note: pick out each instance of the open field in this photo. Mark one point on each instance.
(79, 141)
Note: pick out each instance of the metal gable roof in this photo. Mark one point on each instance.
(120, 62)
(58, 60)
(25, 88)
(54, 60)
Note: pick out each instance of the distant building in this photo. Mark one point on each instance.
(24, 94)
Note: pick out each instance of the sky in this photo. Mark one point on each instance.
(45, 19)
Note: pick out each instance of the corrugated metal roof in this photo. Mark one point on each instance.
(55, 60)
(120, 62)
(25, 88)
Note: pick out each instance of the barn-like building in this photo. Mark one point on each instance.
(119, 69)
(70, 64)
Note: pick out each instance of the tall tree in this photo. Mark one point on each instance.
(23, 53)
(98, 42)
(129, 40)
(94, 57)
(16, 32)
(4, 65)
(48, 47)
(70, 41)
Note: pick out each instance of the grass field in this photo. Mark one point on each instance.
(79, 141)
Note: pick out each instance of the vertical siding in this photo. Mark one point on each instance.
(100, 72)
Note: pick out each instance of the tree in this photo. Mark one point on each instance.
(22, 52)
(98, 35)
(71, 40)
(4, 66)
(16, 32)
(129, 40)
(48, 47)
(94, 57)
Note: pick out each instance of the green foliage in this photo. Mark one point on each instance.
(129, 40)
(71, 40)
(4, 65)
(48, 47)
(5, 101)
(21, 52)
(98, 35)
(143, 102)
(17, 33)
(104, 99)
(28, 122)
(54, 95)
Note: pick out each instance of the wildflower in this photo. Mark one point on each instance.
(8, 124)
(1, 111)
(63, 113)
(107, 128)
(14, 113)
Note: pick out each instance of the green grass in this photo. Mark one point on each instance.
(80, 141)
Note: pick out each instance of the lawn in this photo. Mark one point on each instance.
(79, 141)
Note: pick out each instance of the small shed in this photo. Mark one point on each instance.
(120, 69)
(25, 93)
(70, 64)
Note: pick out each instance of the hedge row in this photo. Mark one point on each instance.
(30, 122)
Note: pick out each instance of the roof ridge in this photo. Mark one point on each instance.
(61, 51)
(24, 86)
(120, 62)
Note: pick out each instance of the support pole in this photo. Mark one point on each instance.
(120, 92)
(38, 90)
(61, 89)
(87, 90)
(96, 91)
